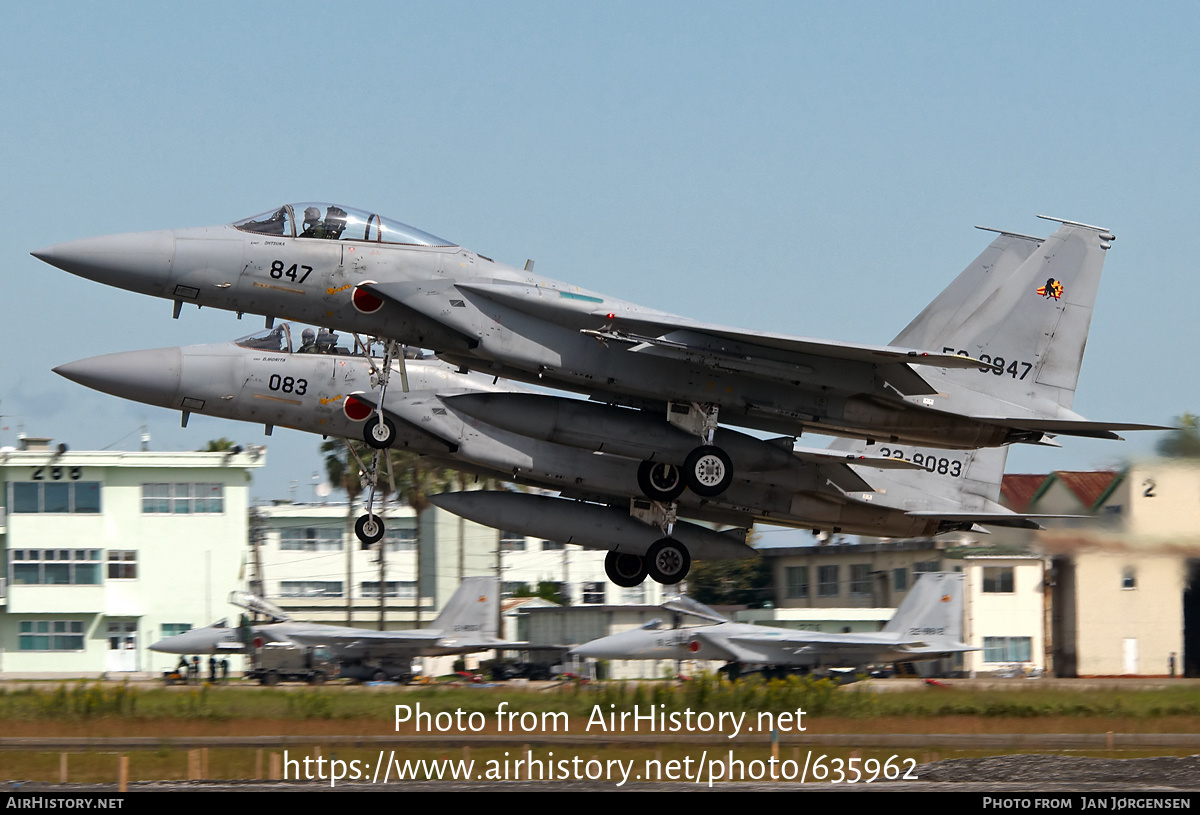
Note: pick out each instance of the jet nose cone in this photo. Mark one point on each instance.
(139, 261)
(143, 376)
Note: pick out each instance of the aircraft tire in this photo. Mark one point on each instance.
(660, 481)
(380, 435)
(625, 569)
(667, 561)
(369, 529)
(379, 676)
(708, 471)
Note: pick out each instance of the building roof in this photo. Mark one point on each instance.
(1018, 489)
(1091, 487)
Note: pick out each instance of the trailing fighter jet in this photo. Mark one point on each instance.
(993, 360)
(927, 625)
(467, 624)
(622, 462)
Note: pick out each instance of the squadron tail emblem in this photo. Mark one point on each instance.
(1053, 288)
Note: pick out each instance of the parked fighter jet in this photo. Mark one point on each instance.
(927, 625)
(622, 460)
(993, 360)
(467, 624)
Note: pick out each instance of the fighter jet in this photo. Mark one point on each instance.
(615, 469)
(467, 624)
(927, 625)
(993, 360)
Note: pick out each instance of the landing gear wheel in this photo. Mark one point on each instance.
(660, 481)
(667, 561)
(379, 676)
(377, 434)
(369, 528)
(624, 569)
(708, 471)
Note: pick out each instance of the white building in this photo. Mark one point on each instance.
(314, 567)
(107, 552)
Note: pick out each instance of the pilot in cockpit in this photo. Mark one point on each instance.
(308, 342)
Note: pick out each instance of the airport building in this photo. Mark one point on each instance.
(313, 567)
(107, 552)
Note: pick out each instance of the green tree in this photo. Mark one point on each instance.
(546, 589)
(221, 445)
(1184, 441)
(731, 583)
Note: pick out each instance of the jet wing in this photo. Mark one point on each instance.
(343, 636)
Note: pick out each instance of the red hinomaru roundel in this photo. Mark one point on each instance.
(364, 301)
(355, 410)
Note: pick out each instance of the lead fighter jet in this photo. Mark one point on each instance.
(993, 360)
(619, 465)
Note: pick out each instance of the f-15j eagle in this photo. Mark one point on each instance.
(616, 469)
(994, 359)
(466, 625)
(927, 625)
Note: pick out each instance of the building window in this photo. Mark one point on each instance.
(510, 587)
(1128, 578)
(797, 582)
(634, 596)
(54, 567)
(860, 578)
(593, 594)
(122, 564)
(60, 497)
(310, 539)
(925, 566)
(900, 579)
(310, 588)
(998, 580)
(1007, 649)
(553, 546)
(827, 581)
(50, 635)
(512, 542)
(174, 629)
(183, 499)
(395, 588)
(401, 539)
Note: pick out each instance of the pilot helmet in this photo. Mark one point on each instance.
(312, 214)
(308, 335)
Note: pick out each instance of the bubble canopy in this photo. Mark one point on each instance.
(333, 222)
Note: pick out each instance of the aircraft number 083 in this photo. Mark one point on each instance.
(932, 464)
(288, 384)
(278, 271)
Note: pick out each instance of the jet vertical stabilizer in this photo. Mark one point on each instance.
(474, 608)
(1029, 324)
(933, 610)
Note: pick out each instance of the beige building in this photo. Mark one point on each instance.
(1004, 613)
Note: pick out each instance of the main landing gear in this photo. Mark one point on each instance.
(666, 561)
(707, 470)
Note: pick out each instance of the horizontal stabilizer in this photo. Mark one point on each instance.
(1007, 519)
(1070, 427)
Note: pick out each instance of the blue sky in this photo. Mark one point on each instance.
(815, 169)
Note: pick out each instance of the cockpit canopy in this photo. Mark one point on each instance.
(291, 338)
(295, 338)
(333, 222)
